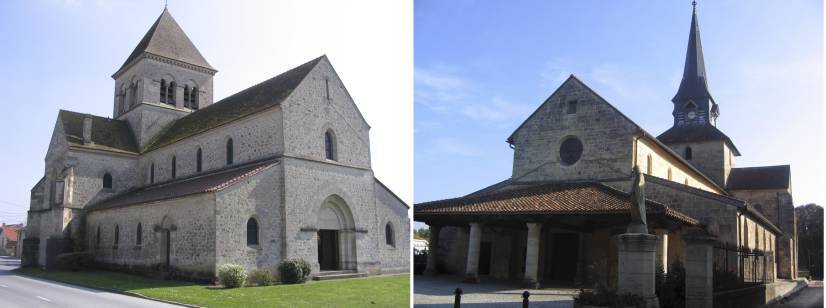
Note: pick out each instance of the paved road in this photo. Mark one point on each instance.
(812, 296)
(437, 292)
(22, 291)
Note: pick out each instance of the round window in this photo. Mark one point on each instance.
(570, 151)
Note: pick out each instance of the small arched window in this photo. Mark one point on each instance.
(669, 173)
(186, 96)
(688, 153)
(193, 102)
(198, 160)
(389, 238)
(252, 232)
(107, 181)
(117, 235)
(230, 157)
(329, 145)
(163, 90)
(649, 165)
(139, 235)
(170, 93)
(690, 106)
(97, 237)
(174, 165)
(152, 174)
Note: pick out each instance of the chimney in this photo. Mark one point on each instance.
(87, 130)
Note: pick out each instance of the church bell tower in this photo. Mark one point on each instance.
(693, 104)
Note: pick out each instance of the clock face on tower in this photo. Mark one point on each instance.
(691, 115)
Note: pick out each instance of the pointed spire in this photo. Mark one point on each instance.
(694, 84)
(166, 39)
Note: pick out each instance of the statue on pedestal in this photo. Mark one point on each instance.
(638, 223)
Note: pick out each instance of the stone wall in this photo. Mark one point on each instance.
(666, 166)
(714, 158)
(605, 134)
(390, 210)
(192, 246)
(258, 197)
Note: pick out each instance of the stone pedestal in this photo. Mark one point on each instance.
(637, 254)
(474, 242)
(699, 275)
(433, 251)
(532, 256)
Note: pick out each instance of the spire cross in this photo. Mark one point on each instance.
(694, 5)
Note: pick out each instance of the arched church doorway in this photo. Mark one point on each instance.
(165, 228)
(336, 236)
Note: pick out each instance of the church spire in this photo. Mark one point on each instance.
(693, 92)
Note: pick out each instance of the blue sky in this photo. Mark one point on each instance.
(481, 67)
(60, 54)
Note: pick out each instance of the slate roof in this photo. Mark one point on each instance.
(166, 38)
(247, 102)
(768, 177)
(547, 199)
(694, 83)
(200, 183)
(700, 133)
(107, 134)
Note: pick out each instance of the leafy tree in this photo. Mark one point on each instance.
(423, 233)
(810, 238)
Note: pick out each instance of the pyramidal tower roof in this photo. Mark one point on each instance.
(166, 39)
(694, 83)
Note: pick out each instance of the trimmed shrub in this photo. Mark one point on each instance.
(607, 298)
(261, 278)
(73, 261)
(294, 270)
(232, 275)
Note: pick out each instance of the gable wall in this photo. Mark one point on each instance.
(606, 136)
(308, 114)
(662, 162)
(391, 210)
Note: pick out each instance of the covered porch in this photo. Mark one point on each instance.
(552, 235)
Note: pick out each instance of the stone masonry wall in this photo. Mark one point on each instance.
(258, 197)
(714, 158)
(192, 247)
(663, 164)
(390, 210)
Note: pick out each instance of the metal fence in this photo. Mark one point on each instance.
(736, 266)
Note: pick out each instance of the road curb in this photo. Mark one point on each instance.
(799, 287)
(116, 291)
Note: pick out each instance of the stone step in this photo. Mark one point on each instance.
(338, 275)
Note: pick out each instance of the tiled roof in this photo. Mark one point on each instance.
(547, 199)
(700, 133)
(107, 134)
(247, 102)
(200, 183)
(768, 177)
(166, 38)
(10, 231)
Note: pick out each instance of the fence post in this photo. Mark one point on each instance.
(457, 301)
(525, 301)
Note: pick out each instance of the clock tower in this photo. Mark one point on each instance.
(695, 135)
(693, 104)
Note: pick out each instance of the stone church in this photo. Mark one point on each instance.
(175, 182)
(555, 221)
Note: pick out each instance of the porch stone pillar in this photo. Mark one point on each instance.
(474, 241)
(532, 255)
(662, 249)
(433, 251)
(636, 257)
(699, 275)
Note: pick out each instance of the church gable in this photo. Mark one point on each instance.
(574, 135)
(322, 122)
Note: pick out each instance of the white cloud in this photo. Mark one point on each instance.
(498, 109)
(453, 147)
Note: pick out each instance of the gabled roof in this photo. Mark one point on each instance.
(254, 99)
(699, 133)
(694, 83)
(199, 183)
(166, 39)
(10, 231)
(587, 198)
(768, 177)
(107, 134)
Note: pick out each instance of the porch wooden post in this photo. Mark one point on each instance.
(532, 255)
(474, 241)
(433, 251)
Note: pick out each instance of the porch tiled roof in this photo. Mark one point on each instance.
(547, 199)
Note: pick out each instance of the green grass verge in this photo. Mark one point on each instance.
(378, 291)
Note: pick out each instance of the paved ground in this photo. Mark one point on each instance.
(812, 296)
(22, 291)
(438, 292)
